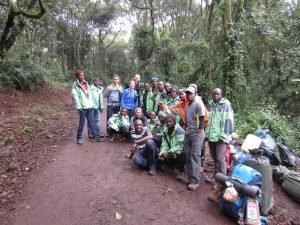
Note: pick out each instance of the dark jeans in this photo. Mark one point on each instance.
(218, 152)
(112, 109)
(146, 157)
(89, 114)
(97, 122)
(158, 141)
(175, 163)
(130, 113)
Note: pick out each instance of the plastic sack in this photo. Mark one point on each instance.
(230, 194)
(287, 157)
(243, 156)
(267, 144)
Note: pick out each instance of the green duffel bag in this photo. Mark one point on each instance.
(291, 185)
(262, 165)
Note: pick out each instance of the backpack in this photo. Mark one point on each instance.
(206, 113)
(263, 166)
(205, 117)
(237, 209)
(291, 185)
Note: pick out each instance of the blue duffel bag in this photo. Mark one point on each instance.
(246, 175)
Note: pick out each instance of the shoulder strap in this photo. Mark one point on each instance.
(165, 135)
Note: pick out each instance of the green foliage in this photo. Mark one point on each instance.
(8, 140)
(39, 120)
(24, 119)
(165, 56)
(22, 72)
(144, 42)
(26, 129)
(281, 128)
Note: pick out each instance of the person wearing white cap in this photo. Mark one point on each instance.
(194, 136)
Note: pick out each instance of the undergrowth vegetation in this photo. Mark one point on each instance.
(282, 128)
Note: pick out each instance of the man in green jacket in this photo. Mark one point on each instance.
(153, 97)
(81, 97)
(97, 105)
(219, 127)
(171, 150)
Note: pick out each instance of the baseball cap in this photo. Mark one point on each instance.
(191, 90)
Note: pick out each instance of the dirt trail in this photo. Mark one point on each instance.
(90, 184)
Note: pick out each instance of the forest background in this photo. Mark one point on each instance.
(249, 48)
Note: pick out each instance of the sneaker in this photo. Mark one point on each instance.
(79, 141)
(112, 138)
(152, 170)
(100, 139)
(193, 186)
(182, 178)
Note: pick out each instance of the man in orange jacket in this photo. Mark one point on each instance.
(179, 108)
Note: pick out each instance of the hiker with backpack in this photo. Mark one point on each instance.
(129, 99)
(113, 95)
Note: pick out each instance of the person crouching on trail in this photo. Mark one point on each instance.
(81, 98)
(171, 150)
(138, 114)
(143, 148)
(118, 124)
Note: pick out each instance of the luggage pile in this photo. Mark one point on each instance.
(246, 196)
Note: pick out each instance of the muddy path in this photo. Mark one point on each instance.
(68, 184)
(92, 183)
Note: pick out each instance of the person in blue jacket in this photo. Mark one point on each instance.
(129, 99)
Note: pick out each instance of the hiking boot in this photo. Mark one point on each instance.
(100, 139)
(79, 141)
(182, 178)
(152, 170)
(193, 186)
(112, 138)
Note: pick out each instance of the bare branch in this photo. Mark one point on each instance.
(139, 7)
(113, 40)
(36, 16)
